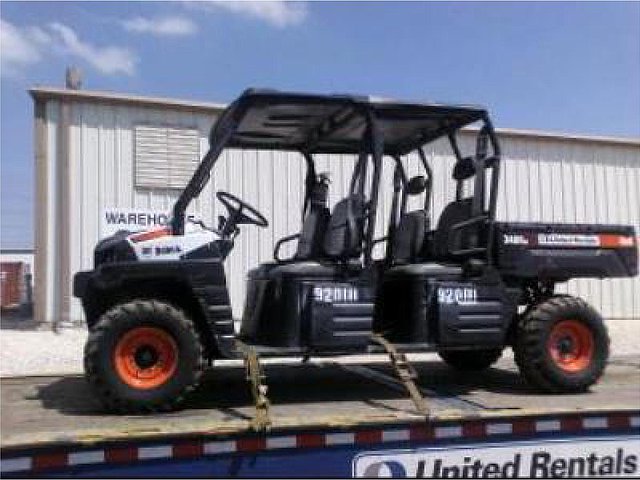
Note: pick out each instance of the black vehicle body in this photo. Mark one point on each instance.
(451, 286)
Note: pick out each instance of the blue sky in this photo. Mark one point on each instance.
(567, 67)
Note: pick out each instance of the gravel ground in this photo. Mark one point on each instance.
(43, 352)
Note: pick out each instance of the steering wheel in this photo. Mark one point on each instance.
(237, 209)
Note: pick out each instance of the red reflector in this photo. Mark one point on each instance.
(616, 241)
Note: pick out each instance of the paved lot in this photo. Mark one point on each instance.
(43, 352)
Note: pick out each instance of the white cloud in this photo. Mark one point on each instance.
(162, 26)
(279, 13)
(109, 60)
(18, 48)
(25, 46)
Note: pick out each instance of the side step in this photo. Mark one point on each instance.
(405, 372)
(256, 378)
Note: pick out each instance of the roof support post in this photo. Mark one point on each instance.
(429, 172)
(495, 182)
(399, 182)
(376, 143)
(309, 182)
(220, 135)
(479, 162)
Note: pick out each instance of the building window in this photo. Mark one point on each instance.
(165, 157)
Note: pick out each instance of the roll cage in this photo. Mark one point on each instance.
(368, 127)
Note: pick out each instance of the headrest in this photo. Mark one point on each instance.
(320, 190)
(464, 168)
(417, 185)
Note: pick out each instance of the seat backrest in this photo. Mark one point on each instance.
(343, 237)
(312, 234)
(409, 236)
(455, 212)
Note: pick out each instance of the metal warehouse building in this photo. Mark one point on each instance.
(108, 161)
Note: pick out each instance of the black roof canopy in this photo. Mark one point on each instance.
(308, 123)
(264, 119)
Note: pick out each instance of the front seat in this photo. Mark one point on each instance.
(314, 224)
(343, 236)
(310, 238)
(341, 242)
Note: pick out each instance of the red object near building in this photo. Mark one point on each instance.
(12, 277)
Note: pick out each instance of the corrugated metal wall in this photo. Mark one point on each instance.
(543, 179)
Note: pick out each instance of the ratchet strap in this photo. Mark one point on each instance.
(256, 379)
(405, 372)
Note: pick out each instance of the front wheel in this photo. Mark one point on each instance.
(143, 356)
(562, 345)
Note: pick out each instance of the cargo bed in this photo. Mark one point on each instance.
(325, 414)
(560, 251)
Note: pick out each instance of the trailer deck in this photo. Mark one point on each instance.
(358, 398)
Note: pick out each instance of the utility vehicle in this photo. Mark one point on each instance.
(157, 304)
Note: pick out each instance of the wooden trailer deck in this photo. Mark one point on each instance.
(322, 393)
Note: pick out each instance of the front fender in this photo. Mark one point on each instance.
(199, 286)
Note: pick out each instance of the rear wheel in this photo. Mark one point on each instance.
(562, 345)
(143, 356)
(471, 360)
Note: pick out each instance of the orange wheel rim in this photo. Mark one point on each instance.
(571, 345)
(145, 357)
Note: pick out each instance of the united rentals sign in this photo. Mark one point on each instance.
(568, 458)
